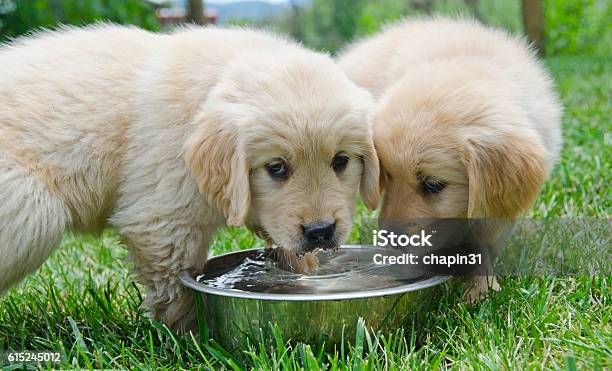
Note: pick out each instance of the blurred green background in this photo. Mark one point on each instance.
(568, 27)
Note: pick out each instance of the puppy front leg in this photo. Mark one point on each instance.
(159, 256)
(493, 235)
(478, 286)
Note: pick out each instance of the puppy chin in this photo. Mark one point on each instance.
(301, 246)
(330, 245)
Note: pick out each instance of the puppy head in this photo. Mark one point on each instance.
(453, 143)
(282, 144)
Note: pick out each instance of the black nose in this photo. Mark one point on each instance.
(319, 234)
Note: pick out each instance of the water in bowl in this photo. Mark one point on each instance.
(339, 271)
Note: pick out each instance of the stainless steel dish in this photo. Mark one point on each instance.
(234, 318)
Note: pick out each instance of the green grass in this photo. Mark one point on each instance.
(83, 303)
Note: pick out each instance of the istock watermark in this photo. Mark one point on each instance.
(430, 259)
(518, 247)
(383, 238)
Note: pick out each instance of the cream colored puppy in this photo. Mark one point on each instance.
(467, 123)
(169, 137)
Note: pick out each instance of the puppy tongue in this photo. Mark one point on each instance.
(288, 260)
(310, 263)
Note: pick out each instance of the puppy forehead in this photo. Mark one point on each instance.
(305, 137)
(302, 106)
(410, 147)
(291, 78)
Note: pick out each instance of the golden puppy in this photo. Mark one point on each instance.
(169, 137)
(467, 123)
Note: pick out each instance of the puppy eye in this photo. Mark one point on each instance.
(431, 185)
(277, 170)
(340, 162)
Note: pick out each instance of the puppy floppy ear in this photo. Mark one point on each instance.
(505, 174)
(383, 178)
(370, 181)
(217, 162)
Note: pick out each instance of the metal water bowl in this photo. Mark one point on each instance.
(235, 318)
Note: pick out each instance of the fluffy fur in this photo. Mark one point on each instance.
(165, 137)
(463, 105)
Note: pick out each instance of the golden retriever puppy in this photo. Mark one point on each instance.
(467, 124)
(167, 137)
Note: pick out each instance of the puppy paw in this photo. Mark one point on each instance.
(476, 288)
(176, 312)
